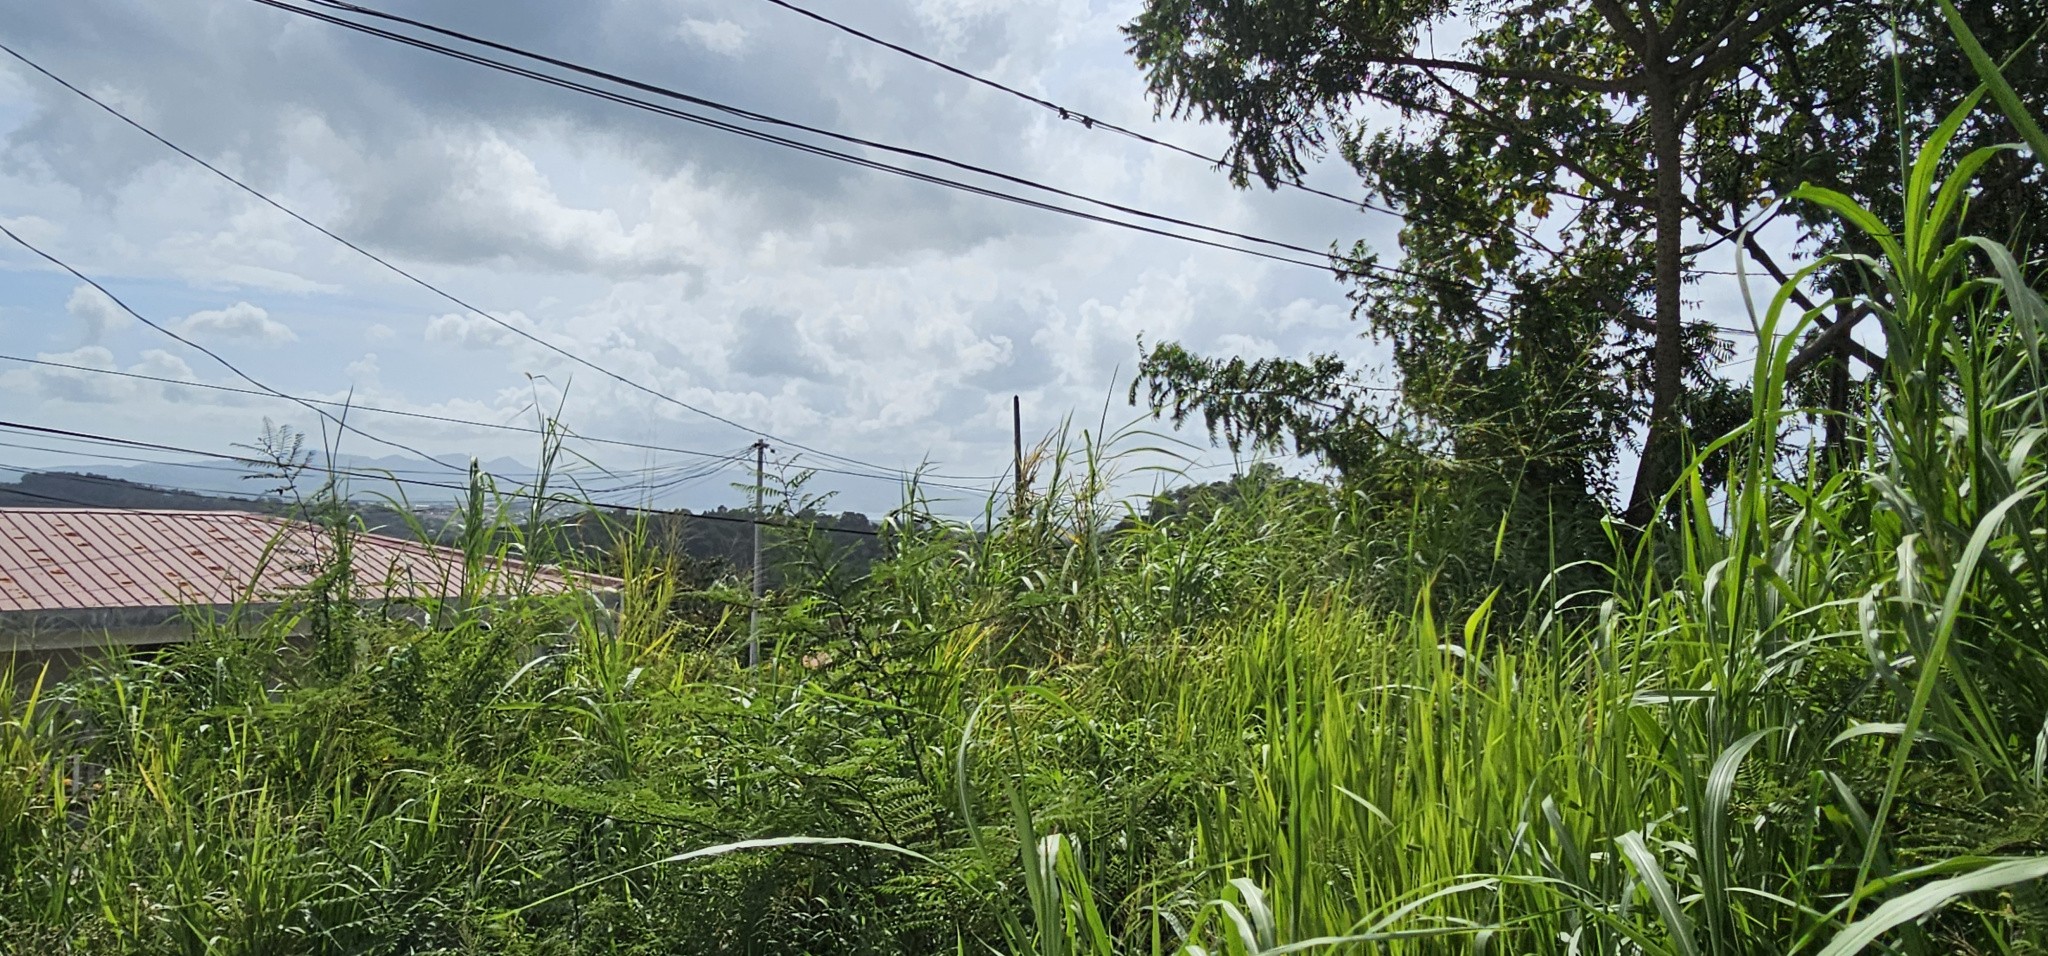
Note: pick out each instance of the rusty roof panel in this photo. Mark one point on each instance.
(62, 559)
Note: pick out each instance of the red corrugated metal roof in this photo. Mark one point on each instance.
(68, 559)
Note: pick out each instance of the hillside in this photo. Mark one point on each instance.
(57, 489)
(719, 541)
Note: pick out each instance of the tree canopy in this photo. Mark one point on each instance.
(1564, 171)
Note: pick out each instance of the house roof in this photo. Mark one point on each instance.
(84, 559)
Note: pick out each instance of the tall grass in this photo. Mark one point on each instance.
(1810, 717)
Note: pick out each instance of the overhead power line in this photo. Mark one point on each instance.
(262, 389)
(71, 502)
(443, 293)
(1067, 113)
(1331, 261)
(922, 480)
(624, 100)
(1088, 121)
(386, 474)
(242, 466)
(412, 482)
(53, 499)
(755, 116)
(203, 350)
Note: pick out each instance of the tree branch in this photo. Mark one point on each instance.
(1829, 338)
(1754, 248)
(1635, 35)
(1831, 332)
(1763, 217)
(1555, 77)
(1734, 39)
(1492, 121)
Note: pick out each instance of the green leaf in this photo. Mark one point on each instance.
(1866, 729)
(1923, 227)
(1322, 941)
(1651, 871)
(1714, 849)
(1569, 856)
(1266, 931)
(1994, 79)
(2029, 311)
(1956, 188)
(767, 843)
(1936, 659)
(1927, 899)
(1863, 219)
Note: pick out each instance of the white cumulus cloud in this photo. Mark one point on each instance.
(471, 331)
(365, 371)
(96, 313)
(718, 36)
(238, 321)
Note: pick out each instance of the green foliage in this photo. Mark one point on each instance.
(1549, 161)
(1259, 716)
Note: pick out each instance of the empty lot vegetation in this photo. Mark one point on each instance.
(1802, 712)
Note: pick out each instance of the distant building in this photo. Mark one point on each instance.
(80, 578)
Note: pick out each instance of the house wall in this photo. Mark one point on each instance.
(64, 639)
(61, 640)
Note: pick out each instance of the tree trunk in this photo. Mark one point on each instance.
(1662, 447)
(1836, 433)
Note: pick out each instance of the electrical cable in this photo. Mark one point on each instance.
(688, 478)
(40, 497)
(418, 482)
(442, 293)
(1356, 266)
(388, 474)
(767, 119)
(193, 465)
(1073, 115)
(625, 101)
(381, 472)
(699, 119)
(239, 505)
(450, 420)
(1353, 265)
(1069, 114)
(203, 350)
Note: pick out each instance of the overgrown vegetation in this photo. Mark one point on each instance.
(1804, 715)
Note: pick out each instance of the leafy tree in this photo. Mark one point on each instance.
(1561, 170)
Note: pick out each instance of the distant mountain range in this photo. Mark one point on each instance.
(61, 489)
(415, 480)
(715, 542)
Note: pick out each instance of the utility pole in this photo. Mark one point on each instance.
(1017, 447)
(754, 616)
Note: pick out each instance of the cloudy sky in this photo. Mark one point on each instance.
(853, 312)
